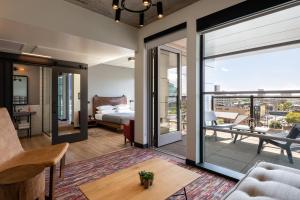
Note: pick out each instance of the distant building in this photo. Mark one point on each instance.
(261, 92)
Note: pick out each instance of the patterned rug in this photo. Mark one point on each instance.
(208, 186)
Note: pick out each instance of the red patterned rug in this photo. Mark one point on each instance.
(208, 186)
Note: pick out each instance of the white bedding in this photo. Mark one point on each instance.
(98, 116)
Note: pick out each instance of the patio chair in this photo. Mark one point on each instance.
(210, 116)
(284, 145)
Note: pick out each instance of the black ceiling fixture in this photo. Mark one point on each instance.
(147, 4)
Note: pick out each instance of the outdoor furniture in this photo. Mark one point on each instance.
(128, 131)
(210, 116)
(293, 134)
(259, 130)
(169, 178)
(15, 160)
(267, 181)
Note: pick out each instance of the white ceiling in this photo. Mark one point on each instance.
(179, 44)
(16, 37)
(122, 62)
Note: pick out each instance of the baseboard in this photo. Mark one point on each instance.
(142, 146)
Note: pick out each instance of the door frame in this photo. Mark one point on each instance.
(82, 133)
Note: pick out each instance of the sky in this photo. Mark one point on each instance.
(275, 70)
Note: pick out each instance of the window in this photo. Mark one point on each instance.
(251, 96)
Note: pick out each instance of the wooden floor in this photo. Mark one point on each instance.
(100, 142)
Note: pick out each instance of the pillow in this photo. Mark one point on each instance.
(105, 111)
(124, 111)
(106, 107)
(123, 107)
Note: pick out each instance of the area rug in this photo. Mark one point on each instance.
(208, 186)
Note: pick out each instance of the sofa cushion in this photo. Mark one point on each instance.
(267, 181)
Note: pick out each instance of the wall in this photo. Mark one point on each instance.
(111, 81)
(188, 14)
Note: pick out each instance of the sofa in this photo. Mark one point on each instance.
(267, 181)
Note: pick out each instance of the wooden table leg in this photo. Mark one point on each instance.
(52, 182)
(62, 166)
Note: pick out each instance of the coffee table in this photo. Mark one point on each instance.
(125, 184)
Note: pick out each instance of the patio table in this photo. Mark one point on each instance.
(259, 130)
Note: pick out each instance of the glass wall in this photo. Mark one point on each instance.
(252, 92)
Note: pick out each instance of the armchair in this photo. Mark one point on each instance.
(25, 168)
(129, 132)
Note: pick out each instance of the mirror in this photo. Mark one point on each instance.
(68, 103)
(20, 90)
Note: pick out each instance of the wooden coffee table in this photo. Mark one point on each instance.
(125, 184)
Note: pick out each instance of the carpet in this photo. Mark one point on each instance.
(208, 186)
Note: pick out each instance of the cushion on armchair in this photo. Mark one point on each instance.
(267, 181)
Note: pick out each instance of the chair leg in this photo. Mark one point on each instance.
(215, 133)
(260, 145)
(235, 138)
(62, 166)
(52, 183)
(125, 140)
(289, 154)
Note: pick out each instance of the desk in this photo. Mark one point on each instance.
(18, 115)
(125, 184)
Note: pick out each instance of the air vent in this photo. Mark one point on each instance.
(10, 46)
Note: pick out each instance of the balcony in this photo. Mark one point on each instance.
(275, 113)
(268, 115)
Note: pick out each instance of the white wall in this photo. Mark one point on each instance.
(62, 16)
(110, 81)
(189, 14)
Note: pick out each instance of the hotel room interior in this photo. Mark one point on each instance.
(149, 99)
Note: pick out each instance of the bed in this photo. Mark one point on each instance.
(113, 120)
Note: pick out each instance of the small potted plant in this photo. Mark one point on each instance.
(148, 179)
(142, 173)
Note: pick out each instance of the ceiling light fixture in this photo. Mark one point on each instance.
(118, 15)
(115, 4)
(141, 19)
(147, 3)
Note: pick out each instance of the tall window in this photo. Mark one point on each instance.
(252, 89)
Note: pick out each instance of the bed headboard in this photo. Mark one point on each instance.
(102, 101)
